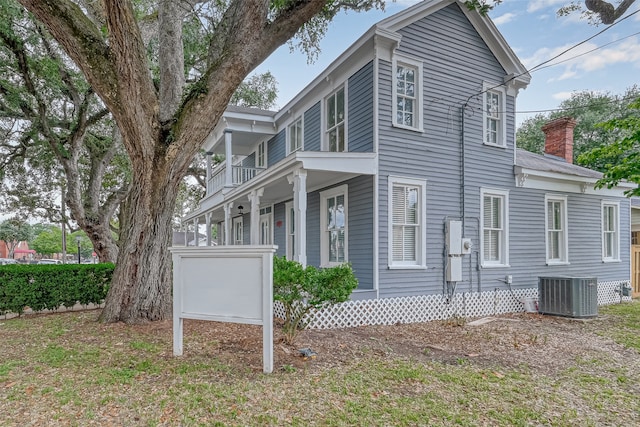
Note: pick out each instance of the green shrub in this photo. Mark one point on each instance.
(47, 287)
(301, 290)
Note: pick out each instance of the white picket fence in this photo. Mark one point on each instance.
(425, 308)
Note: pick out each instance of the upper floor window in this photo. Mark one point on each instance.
(495, 227)
(407, 94)
(494, 125)
(336, 115)
(333, 223)
(294, 136)
(610, 231)
(407, 243)
(556, 230)
(261, 155)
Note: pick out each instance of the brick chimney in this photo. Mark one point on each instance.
(559, 138)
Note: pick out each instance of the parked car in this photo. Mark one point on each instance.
(49, 261)
(5, 261)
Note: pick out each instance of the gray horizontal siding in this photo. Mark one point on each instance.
(249, 161)
(360, 110)
(360, 228)
(456, 62)
(313, 228)
(312, 132)
(360, 212)
(527, 240)
(279, 229)
(276, 148)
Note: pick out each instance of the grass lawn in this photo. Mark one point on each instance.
(68, 370)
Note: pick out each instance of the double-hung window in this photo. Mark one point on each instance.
(336, 114)
(556, 229)
(261, 155)
(494, 219)
(407, 237)
(333, 226)
(610, 231)
(290, 220)
(494, 108)
(407, 94)
(294, 136)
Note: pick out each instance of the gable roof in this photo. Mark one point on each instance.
(387, 28)
(482, 24)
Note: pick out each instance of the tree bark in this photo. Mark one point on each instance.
(141, 285)
(161, 142)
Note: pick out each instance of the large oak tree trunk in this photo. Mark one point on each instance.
(141, 285)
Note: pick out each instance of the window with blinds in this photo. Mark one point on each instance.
(407, 237)
(610, 235)
(556, 224)
(494, 227)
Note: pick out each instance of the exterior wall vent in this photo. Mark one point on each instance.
(568, 296)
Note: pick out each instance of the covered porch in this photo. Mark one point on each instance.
(227, 213)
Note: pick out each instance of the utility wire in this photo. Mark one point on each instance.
(595, 104)
(556, 56)
(586, 53)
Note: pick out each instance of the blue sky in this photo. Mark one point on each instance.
(533, 31)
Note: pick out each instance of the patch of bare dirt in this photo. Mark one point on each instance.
(545, 344)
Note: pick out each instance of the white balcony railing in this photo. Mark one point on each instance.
(239, 175)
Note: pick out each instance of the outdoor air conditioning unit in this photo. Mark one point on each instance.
(568, 296)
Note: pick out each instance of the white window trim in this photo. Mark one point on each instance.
(504, 244)
(268, 215)
(325, 130)
(616, 206)
(288, 139)
(565, 222)
(421, 263)
(495, 87)
(412, 63)
(287, 221)
(324, 242)
(235, 221)
(264, 154)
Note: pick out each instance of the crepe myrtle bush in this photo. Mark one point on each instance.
(303, 290)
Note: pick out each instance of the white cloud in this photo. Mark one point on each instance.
(503, 19)
(536, 5)
(561, 96)
(591, 59)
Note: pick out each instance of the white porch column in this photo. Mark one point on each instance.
(209, 169)
(254, 198)
(227, 223)
(186, 234)
(228, 176)
(207, 217)
(196, 241)
(299, 181)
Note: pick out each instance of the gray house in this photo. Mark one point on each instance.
(400, 158)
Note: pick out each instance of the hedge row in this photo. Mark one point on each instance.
(47, 287)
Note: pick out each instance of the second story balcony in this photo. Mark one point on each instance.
(239, 175)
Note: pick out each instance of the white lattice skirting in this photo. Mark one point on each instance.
(425, 308)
